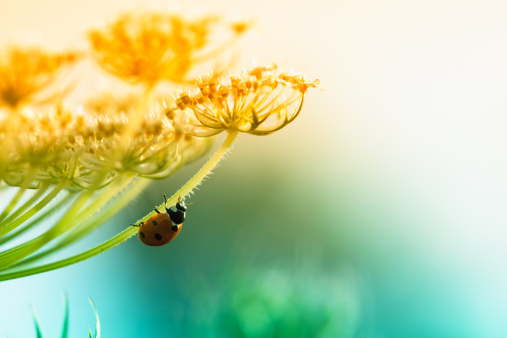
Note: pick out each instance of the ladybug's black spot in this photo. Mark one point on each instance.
(154, 222)
(142, 234)
(158, 237)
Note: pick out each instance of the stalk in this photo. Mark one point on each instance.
(35, 197)
(90, 224)
(7, 227)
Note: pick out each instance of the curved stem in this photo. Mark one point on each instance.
(36, 208)
(121, 237)
(35, 197)
(130, 231)
(37, 220)
(74, 215)
(13, 202)
(13, 255)
(205, 170)
(90, 224)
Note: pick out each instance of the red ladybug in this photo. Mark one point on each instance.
(161, 228)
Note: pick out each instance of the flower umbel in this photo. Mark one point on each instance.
(252, 103)
(25, 73)
(152, 46)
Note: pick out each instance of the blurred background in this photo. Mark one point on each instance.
(378, 213)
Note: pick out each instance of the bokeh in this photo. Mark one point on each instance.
(378, 213)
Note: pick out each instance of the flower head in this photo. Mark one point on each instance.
(152, 46)
(54, 143)
(27, 72)
(253, 103)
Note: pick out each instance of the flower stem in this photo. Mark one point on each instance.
(35, 197)
(36, 208)
(37, 220)
(130, 231)
(92, 223)
(13, 202)
(205, 170)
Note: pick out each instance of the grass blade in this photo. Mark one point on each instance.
(65, 328)
(38, 331)
(97, 321)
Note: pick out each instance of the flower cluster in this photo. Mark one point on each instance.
(252, 103)
(26, 73)
(54, 143)
(152, 46)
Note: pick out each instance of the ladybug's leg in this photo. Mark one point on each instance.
(165, 204)
(158, 212)
(137, 225)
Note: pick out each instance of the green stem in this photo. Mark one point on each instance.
(19, 194)
(130, 231)
(205, 170)
(111, 191)
(38, 220)
(13, 203)
(74, 215)
(91, 224)
(11, 256)
(40, 191)
(36, 208)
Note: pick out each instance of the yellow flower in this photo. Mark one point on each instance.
(151, 46)
(26, 73)
(252, 103)
(51, 144)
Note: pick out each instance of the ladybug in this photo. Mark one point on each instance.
(162, 228)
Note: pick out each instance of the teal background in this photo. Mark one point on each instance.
(380, 212)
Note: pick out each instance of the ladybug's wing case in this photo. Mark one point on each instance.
(157, 230)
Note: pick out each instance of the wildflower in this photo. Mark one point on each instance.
(99, 156)
(27, 72)
(252, 103)
(152, 46)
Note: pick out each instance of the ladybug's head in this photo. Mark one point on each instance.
(181, 204)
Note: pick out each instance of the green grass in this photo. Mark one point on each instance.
(65, 325)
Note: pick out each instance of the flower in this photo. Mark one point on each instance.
(252, 103)
(54, 143)
(149, 47)
(26, 72)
